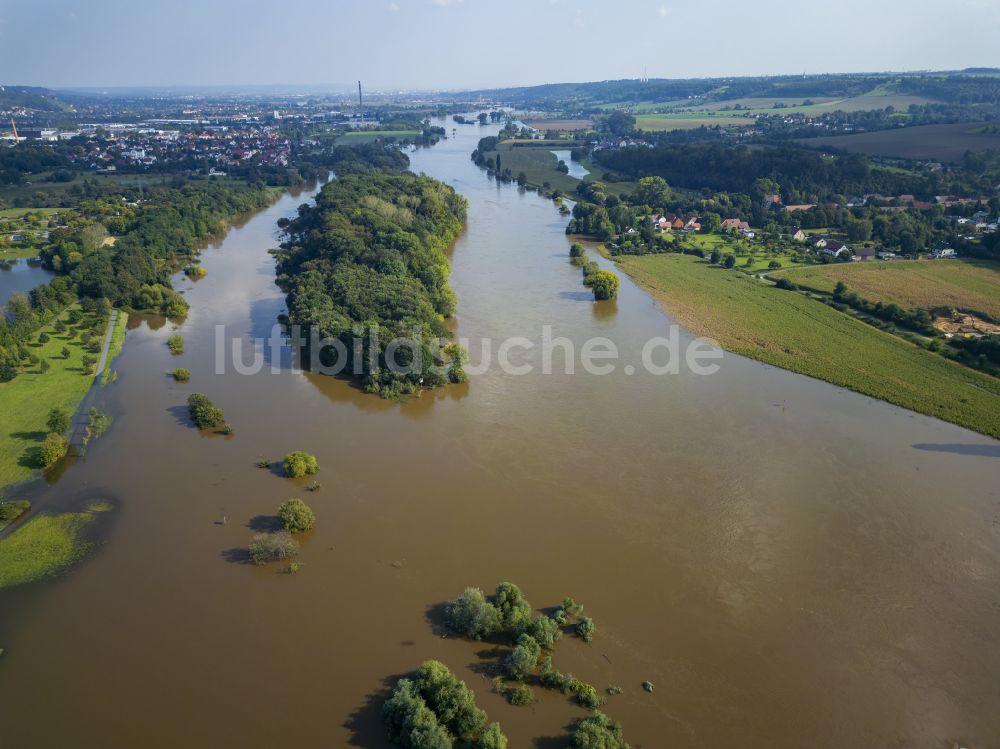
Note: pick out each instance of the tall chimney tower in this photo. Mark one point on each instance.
(361, 104)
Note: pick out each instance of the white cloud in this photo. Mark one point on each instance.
(664, 11)
(394, 7)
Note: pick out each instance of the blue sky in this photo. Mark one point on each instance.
(449, 44)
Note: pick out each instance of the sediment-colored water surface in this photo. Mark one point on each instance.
(791, 564)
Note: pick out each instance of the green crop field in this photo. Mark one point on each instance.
(557, 124)
(960, 283)
(937, 142)
(821, 105)
(792, 331)
(689, 120)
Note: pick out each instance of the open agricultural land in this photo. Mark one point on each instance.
(792, 331)
(555, 124)
(689, 121)
(937, 142)
(959, 283)
(814, 106)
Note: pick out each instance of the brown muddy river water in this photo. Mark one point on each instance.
(791, 564)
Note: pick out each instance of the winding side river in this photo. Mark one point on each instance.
(789, 563)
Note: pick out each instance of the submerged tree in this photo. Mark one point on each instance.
(298, 464)
(605, 285)
(272, 547)
(204, 413)
(296, 516)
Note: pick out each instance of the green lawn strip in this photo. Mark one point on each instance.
(367, 136)
(792, 331)
(25, 401)
(45, 545)
(17, 252)
(117, 343)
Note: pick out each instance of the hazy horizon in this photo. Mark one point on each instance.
(453, 45)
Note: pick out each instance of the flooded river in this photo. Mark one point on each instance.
(19, 276)
(791, 564)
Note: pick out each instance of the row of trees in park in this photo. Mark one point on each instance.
(367, 265)
(24, 315)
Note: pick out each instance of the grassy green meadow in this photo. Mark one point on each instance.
(960, 283)
(937, 142)
(25, 401)
(789, 330)
(46, 544)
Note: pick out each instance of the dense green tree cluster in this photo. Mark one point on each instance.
(605, 285)
(598, 731)
(507, 614)
(804, 176)
(368, 264)
(58, 420)
(52, 449)
(21, 318)
(204, 413)
(365, 158)
(433, 709)
(135, 271)
(591, 219)
(584, 693)
(296, 516)
(298, 464)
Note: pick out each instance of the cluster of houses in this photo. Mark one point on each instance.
(221, 147)
(667, 222)
(826, 246)
(616, 143)
(836, 249)
(980, 222)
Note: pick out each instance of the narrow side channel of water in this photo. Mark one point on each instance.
(575, 168)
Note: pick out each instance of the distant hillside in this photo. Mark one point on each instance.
(974, 86)
(31, 97)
